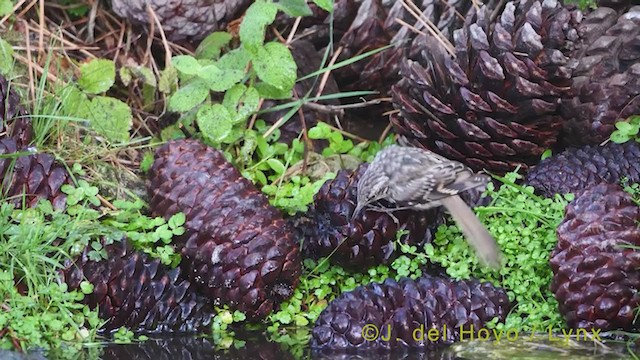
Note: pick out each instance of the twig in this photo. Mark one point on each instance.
(293, 30)
(91, 24)
(339, 109)
(325, 76)
(37, 67)
(41, 29)
(411, 27)
(497, 10)
(348, 134)
(385, 132)
(165, 43)
(416, 13)
(252, 122)
(106, 203)
(15, 8)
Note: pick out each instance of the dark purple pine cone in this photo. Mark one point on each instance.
(596, 279)
(182, 19)
(351, 321)
(606, 77)
(237, 247)
(308, 61)
(27, 179)
(574, 170)
(369, 239)
(15, 120)
(135, 291)
(495, 103)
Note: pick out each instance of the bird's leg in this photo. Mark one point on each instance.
(386, 210)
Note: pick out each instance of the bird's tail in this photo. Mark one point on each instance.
(477, 235)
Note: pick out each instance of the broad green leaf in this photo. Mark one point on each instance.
(168, 80)
(111, 118)
(126, 75)
(74, 102)
(6, 7)
(270, 92)
(189, 96)
(252, 29)
(177, 220)
(214, 122)
(276, 165)
(220, 80)
(623, 126)
(212, 45)
(237, 59)
(241, 100)
(275, 66)
(186, 64)
(6, 57)
(97, 76)
(619, 137)
(295, 8)
(137, 72)
(325, 4)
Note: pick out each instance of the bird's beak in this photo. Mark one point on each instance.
(356, 211)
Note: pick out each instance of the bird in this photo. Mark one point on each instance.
(417, 179)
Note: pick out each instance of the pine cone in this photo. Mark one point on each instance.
(182, 19)
(368, 239)
(237, 248)
(29, 178)
(495, 105)
(15, 119)
(574, 170)
(606, 75)
(133, 290)
(403, 307)
(596, 280)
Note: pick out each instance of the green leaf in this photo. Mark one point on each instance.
(252, 29)
(212, 45)
(186, 64)
(619, 137)
(271, 92)
(168, 80)
(110, 117)
(126, 76)
(215, 122)
(97, 76)
(177, 220)
(220, 80)
(295, 8)
(276, 165)
(547, 153)
(241, 100)
(74, 102)
(6, 7)
(326, 5)
(86, 287)
(6, 57)
(189, 96)
(237, 59)
(275, 66)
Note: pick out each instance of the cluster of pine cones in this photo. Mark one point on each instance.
(494, 90)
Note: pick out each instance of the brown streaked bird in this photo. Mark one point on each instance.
(417, 179)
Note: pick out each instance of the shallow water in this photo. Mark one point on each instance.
(538, 347)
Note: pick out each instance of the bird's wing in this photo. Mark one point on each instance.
(427, 177)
